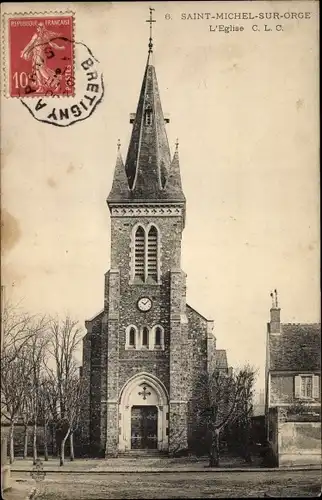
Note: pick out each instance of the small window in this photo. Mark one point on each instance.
(158, 336)
(306, 386)
(145, 337)
(148, 117)
(132, 337)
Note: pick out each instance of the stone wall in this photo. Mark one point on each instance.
(299, 443)
(294, 439)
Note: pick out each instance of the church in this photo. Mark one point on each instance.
(143, 353)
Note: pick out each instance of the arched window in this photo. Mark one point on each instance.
(132, 333)
(158, 337)
(145, 256)
(139, 253)
(152, 257)
(131, 337)
(145, 337)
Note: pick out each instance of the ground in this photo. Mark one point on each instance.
(179, 484)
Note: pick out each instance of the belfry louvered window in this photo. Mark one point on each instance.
(152, 261)
(139, 250)
(145, 255)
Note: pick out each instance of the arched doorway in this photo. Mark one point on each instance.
(143, 414)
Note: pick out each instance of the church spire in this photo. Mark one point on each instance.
(148, 158)
(173, 187)
(120, 186)
(148, 161)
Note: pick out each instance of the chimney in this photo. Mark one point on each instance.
(275, 315)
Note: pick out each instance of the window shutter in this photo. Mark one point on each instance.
(316, 388)
(297, 386)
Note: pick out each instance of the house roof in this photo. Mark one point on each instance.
(296, 348)
(221, 359)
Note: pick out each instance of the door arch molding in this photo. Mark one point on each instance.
(134, 394)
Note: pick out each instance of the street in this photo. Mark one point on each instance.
(88, 486)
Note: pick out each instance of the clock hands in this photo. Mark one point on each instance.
(144, 303)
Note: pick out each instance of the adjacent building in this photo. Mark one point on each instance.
(293, 397)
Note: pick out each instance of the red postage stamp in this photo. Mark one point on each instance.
(41, 51)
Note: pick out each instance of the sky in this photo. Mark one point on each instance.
(244, 106)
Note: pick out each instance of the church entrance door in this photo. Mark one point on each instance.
(144, 427)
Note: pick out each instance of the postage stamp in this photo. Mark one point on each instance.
(41, 53)
(43, 64)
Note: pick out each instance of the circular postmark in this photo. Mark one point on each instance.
(62, 91)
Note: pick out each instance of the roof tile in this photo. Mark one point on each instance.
(296, 348)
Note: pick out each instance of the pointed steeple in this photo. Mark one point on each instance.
(148, 162)
(120, 186)
(173, 187)
(148, 158)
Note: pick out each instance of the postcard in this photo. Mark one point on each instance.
(160, 248)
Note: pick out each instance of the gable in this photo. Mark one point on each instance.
(192, 312)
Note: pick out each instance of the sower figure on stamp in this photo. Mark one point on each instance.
(43, 77)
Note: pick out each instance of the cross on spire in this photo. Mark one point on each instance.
(150, 21)
(118, 144)
(177, 144)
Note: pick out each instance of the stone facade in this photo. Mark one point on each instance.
(126, 380)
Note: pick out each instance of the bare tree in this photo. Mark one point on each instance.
(17, 328)
(221, 403)
(65, 336)
(26, 413)
(13, 376)
(48, 411)
(19, 331)
(73, 408)
(36, 347)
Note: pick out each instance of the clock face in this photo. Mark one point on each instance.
(144, 304)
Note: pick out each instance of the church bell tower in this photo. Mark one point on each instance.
(145, 287)
(143, 352)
